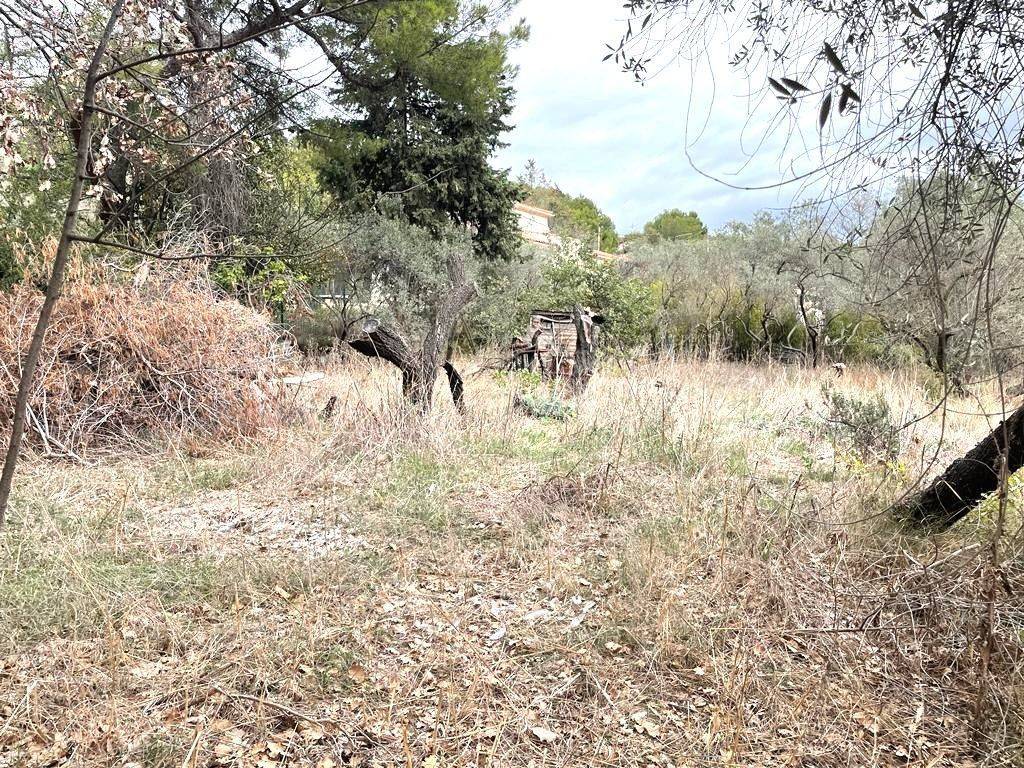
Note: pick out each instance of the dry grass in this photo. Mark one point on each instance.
(688, 572)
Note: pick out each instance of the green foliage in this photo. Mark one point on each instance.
(575, 276)
(545, 407)
(259, 278)
(397, 270)
(734, 293)
(866, 425)
(291, 235)
(675, 225)
(862, 336)
(431, 103)
(316, 331)
(503, 308)
(576, 217)
(755, 328)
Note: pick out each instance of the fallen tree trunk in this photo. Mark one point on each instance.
(370, 337)
(375, 339)
(972, 478)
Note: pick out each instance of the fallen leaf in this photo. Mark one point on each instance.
(311, 733)
(357, 672)
(543, 734)
(276, 748)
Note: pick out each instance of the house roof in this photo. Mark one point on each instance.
(524, 208)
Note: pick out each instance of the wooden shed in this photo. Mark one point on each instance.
(552, 343)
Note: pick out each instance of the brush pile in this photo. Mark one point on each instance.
(122, 364)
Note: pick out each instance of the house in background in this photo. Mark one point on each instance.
(535, 225)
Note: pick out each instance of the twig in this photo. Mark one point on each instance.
(274, 705)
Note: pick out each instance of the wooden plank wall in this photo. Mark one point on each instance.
(557, 342)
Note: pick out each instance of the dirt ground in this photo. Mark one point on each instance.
(696, 566)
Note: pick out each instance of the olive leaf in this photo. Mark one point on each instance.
(826, 107)
(846, 96)
(833, 59)
(794, 85)
(844, 101)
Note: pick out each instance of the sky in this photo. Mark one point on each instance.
(594, 131)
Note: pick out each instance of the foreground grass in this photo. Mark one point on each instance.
(695, 569)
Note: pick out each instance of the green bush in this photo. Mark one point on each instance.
(316, 332)
(576, 276)
(855, 338)
(542, 406)
(865, 425)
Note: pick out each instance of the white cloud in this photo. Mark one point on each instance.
(596, 132)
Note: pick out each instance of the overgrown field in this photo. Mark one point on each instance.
(695, 566)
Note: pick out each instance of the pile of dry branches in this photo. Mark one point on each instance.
(124, 363)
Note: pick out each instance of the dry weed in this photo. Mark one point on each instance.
(689, 572)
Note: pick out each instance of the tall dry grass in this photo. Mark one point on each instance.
(695, 568)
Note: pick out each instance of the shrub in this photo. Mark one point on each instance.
(866, 425)
(544, 407)
(575, 276)
(316, 332)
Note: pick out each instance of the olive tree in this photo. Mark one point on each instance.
(923, 94)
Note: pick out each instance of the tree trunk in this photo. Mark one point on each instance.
(418, 385)
(456, 385)
(419, 371)
(60, 261)
(810, 326)
(586, 347)
(970, 479)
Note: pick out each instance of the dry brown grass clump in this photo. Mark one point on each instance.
(122, 363)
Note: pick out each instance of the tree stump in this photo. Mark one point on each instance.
(586, 351)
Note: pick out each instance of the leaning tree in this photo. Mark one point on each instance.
(899, 93)
(400, 288)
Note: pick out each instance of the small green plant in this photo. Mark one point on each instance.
(159, 752)
(866, 425)
(545, 407)
(216, 477)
